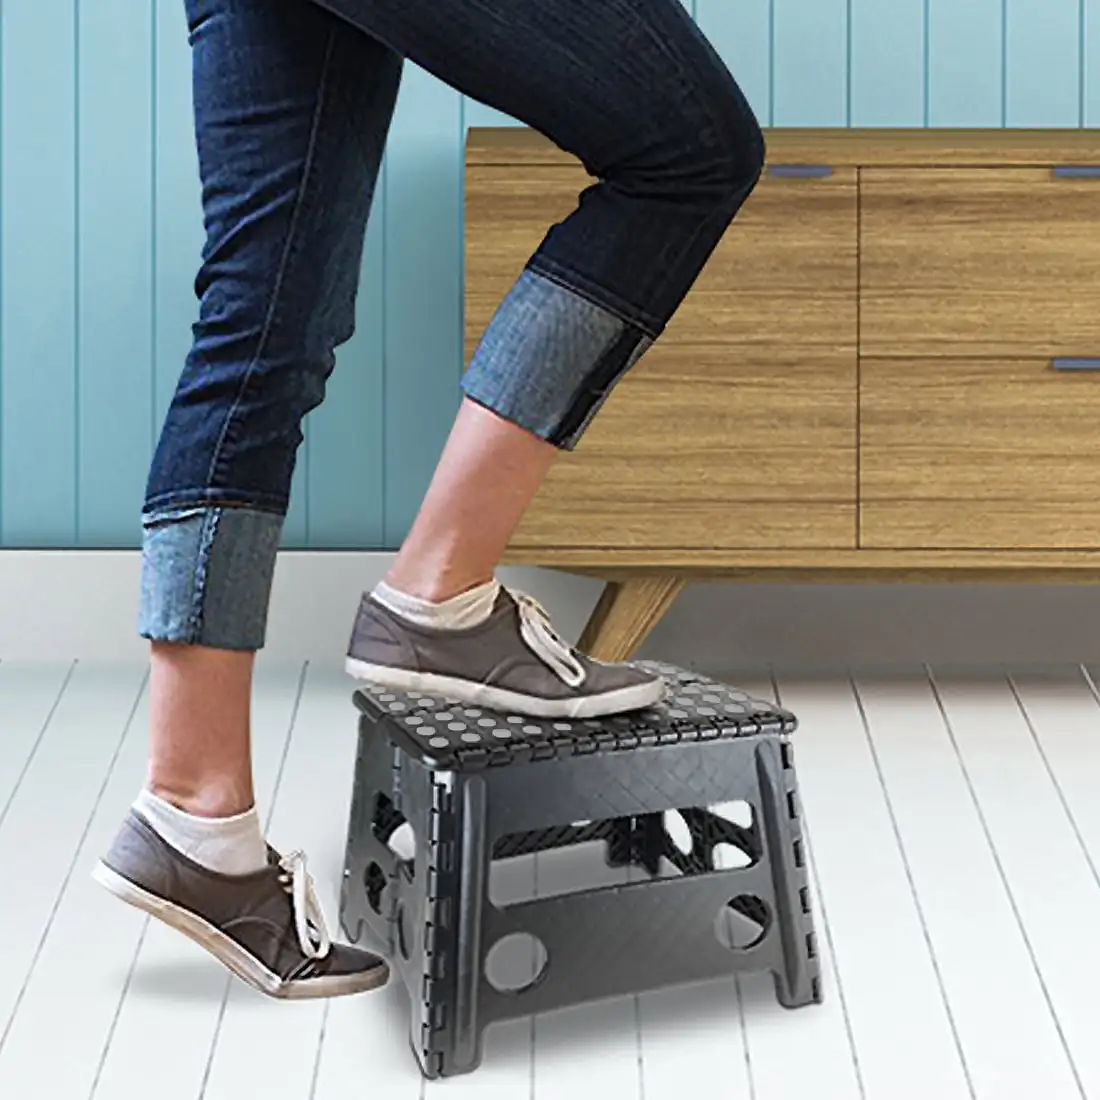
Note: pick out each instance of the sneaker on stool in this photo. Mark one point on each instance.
(514, 661)
(266, 927)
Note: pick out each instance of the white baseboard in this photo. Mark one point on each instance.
(83, 604)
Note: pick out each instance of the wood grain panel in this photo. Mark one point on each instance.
(702, 447)
(783, 276)
(978, 454)
(884, 147)
(997, 262)
(817, 565)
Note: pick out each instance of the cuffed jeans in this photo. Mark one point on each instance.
(293, 102)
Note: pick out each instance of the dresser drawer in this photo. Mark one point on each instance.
(784, 275)
(978, 454)
(993, 262)
(700, 448)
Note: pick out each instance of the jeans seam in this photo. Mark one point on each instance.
(168, 501)
(567, 430)
(202, 569)
(288, 249)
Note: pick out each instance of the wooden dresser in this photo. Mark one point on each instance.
(890, 370)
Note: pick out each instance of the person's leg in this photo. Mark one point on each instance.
(488, 473)
(634, 89)
(292, 108)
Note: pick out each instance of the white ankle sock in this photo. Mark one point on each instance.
(228, 845)
(459, 613)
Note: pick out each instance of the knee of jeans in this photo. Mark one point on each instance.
(742, 151)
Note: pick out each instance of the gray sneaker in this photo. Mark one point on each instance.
(514, 661)
(267, 927)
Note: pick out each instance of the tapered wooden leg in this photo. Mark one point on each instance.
(628, 610)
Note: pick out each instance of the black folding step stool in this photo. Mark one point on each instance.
(477, 785)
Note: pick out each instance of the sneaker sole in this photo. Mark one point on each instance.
(620, 701)
(227, 951)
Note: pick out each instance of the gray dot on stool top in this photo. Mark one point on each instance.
(449, 735)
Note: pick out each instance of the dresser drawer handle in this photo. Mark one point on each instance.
(800, 171)
(1077, 172)
(1083, 363)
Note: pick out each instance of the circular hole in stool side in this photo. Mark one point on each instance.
(374, 882)
(516, 963)
(742, 923)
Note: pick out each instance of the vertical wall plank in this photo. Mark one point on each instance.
(38, 277)
(888, 62)
(178, 234)
(810, 63)
(1090, 48)
(347, 433)
(965, 62)
(423, 290)
(115, 317)
(1043, 63)
(741, 33)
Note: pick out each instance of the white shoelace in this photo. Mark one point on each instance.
(541, 638)
(305, 905)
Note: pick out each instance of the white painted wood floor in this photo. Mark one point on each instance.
(954, 825)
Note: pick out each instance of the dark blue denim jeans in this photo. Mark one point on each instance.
(293, 103)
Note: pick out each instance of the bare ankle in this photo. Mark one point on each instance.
(204, 800)
(433, 587)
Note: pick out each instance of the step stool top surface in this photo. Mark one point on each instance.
(453, 736)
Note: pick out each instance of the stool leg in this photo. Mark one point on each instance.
(451, 1030)
(798, 983)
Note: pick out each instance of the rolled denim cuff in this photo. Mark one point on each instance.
(549, 359)
(206, 576)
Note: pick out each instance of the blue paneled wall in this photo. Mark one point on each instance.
(100, 231)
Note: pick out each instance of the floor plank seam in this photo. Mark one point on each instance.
(37, 742)
(909, 878)
(123, 992)
(126, 726)
(1009, 893)
(1066, 808)
(811, 863)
